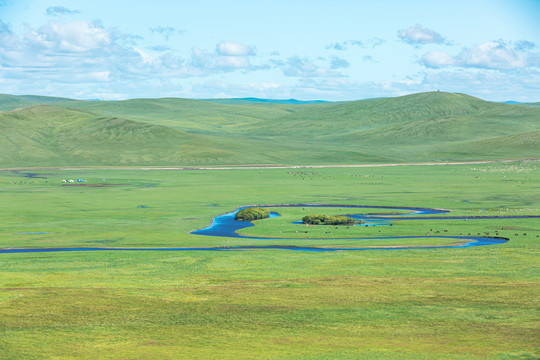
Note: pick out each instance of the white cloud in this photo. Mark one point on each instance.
(68, 57)
(227, 48)
(418, 35)
(232, 62)
(344, 45)
(222, 89)
(160, 48)
(437, 59)
(519, 85)
(147, 57)
(165, 31)
(304, 67)
(75, 36)
(525, 45)
(339, 63)
(66, 52)
(337, 89)
(369, 58)
(100, 76)
(374, 42)
(4, 28)
(7, 39)
(227, 57)
(495, 85)
(89, 60)
(340, 46)
(60, 10)
(200, 58)
(495, 55)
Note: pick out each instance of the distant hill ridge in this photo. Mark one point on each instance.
(274, 101)
(433, 126)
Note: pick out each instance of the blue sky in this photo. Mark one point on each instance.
(329, 50)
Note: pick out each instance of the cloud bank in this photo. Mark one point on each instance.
(494, 55)
(86, 59)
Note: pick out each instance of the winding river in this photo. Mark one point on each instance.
(226, 226)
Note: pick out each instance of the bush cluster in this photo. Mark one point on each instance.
(328, 220)
(252, 213)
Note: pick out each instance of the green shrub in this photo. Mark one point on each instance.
(328, 220)
(252, 213)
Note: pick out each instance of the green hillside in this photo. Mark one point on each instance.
(12, 102)
(435, 126)
(44, 135)
(185, 114)
(536, 104)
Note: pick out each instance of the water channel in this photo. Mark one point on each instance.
(226, 226)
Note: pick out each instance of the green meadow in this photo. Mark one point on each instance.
(424, 127)
(464, 303)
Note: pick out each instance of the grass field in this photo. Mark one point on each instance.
(470, 303)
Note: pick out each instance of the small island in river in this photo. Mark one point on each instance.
(252, 213)
(329, 220)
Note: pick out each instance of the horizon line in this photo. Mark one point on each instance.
(258, 99)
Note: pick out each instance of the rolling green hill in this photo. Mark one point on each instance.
(536, 104)
(435, 126)
(12, 102)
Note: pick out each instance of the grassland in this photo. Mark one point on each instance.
(436, 126)
(471, 303)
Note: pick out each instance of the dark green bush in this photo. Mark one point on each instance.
(252, 213)
(328, 220)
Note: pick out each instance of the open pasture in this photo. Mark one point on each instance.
(383, 304)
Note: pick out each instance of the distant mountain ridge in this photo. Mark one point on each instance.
(434, 126)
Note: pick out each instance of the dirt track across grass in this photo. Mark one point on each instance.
(262, 167)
